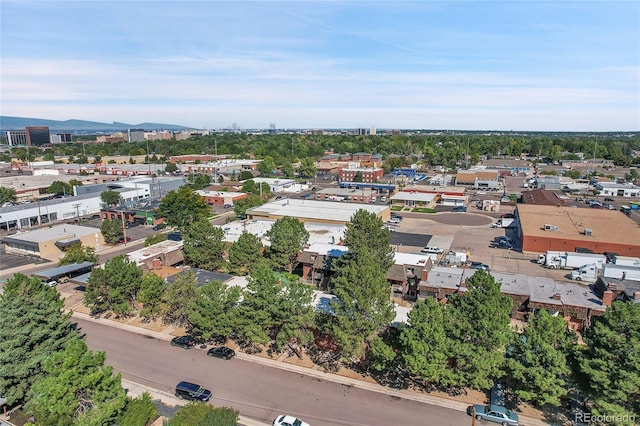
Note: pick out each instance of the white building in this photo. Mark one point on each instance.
(618, 189)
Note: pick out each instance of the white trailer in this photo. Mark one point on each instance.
(621, 272)
(626, 260)
(587, 273)
(572, 260)
(503, 223)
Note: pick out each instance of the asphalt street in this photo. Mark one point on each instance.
(258, 391)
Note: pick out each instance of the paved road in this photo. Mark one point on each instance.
(258, 391)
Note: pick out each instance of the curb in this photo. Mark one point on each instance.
(322, 375)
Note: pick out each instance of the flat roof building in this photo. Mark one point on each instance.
(545, 228)
(50, 243)
(315, 211)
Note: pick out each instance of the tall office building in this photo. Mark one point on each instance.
(17, 137)
(38, 135)
(136, 135)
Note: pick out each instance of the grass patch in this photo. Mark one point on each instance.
(423, 210)
(396, 208)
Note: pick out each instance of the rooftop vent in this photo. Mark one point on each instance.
(588, 232)
(548, 227)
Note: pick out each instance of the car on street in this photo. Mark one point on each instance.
(285, 420)
(396, 215)
(608, 206)
(609, 199)
(493, 413)
(123, 239)
(192, 392)
(461, 209)
(221, 352)
(502, 244)
(395, 220)
(434, 250)
(479, 265)
(184, 342)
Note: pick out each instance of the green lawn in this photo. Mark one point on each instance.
(423, 210)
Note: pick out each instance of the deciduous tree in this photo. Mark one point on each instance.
(33, 327)
(170, 167)
(110, 197)
(307, 168)
(183, 207)
(111, 230)
(199, 413)
(7, 195)
(203, 245)
(287, 236)
(76, 388)
(60, 188)
(76, 253)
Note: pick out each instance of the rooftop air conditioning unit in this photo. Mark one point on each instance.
(588, 232)
(548, 227)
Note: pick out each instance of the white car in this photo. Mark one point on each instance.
(285, 420)
(434, 250)
(394, 220)
(51, 283)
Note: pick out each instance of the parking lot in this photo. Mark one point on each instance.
(467, 232)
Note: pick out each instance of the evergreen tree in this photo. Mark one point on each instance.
(424, 344)
(211, 314)
(536, 365)
(244, 253)
(203, 245)
(363, 307)
(367, 230)
(76, 385)
(287, 236)
(201, 414)
(295, 315)
(150, 294)
(479, 331)
(139, 411)
(609, 366)
(177, 299)
(114, 287)
(32, 328)
(78, 254)
(170, 167)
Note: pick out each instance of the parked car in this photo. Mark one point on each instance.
(396, 215)
(608, 206)
(159, 226)
(51, 283)
(63, 280)
(609, 199)
(221, 352)
(462, 209)
(184, 342)
(479, 265)
(228, 206)
(435, 250)
(122, 240)
(395, 220)
(494, 414)
(480, 193)
(502, 244)
(192, 392)
(503, 238)
(285, 420)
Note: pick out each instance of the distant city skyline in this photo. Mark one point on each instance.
(473, 65)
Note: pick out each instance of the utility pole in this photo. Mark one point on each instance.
(124, 229)
(77, 206)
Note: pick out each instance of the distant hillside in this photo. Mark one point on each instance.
(19, 123)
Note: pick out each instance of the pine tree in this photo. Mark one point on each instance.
(244, 253)
(32, 328)
(287, 236)
(366, 230)
(203, 245)
(114, 287)
(152, 289)
(178, 298)
(211, 313)
(363, 307)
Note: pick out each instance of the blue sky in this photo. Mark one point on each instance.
(477, 65)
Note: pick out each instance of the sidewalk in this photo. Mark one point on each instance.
(321, 375)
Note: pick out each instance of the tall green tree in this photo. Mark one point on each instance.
(287, 237)
(204, 245)
(245, 175)
(244, 253)
(367, 230)
(424, 344)
(7, 195)
(76, 253)
(152, 288)
(537, 365)
(33, 327)
(240, 207)
(183, 207)
(139, 411)
(608, 367)
(295, 315)
(307, 168)
(60, 188)
(111, 197)
(178, 298)
(170, 167)
(76, 388)
(363, 306)
(267, 166)
(201, 414)
(212, 312)
(479, 331)
(287, 170)
(111, 230)
(113, 287)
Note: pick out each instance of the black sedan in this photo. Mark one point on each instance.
(221, 352)
(184, 342)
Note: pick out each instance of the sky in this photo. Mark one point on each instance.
(455, 65)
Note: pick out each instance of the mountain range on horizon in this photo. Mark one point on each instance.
(19, 123)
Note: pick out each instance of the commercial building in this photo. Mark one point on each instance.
(612, 189)
(514, 167)
(164, 253)
(414, 199)
(362, 195)
(479, 179)
(221, 198)
(542, 197)
(277, 185)
(315, 211)
(319, 233)
(367, 174)
(50, 243)
(545, 228)
(30, 136)
(445, 195)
